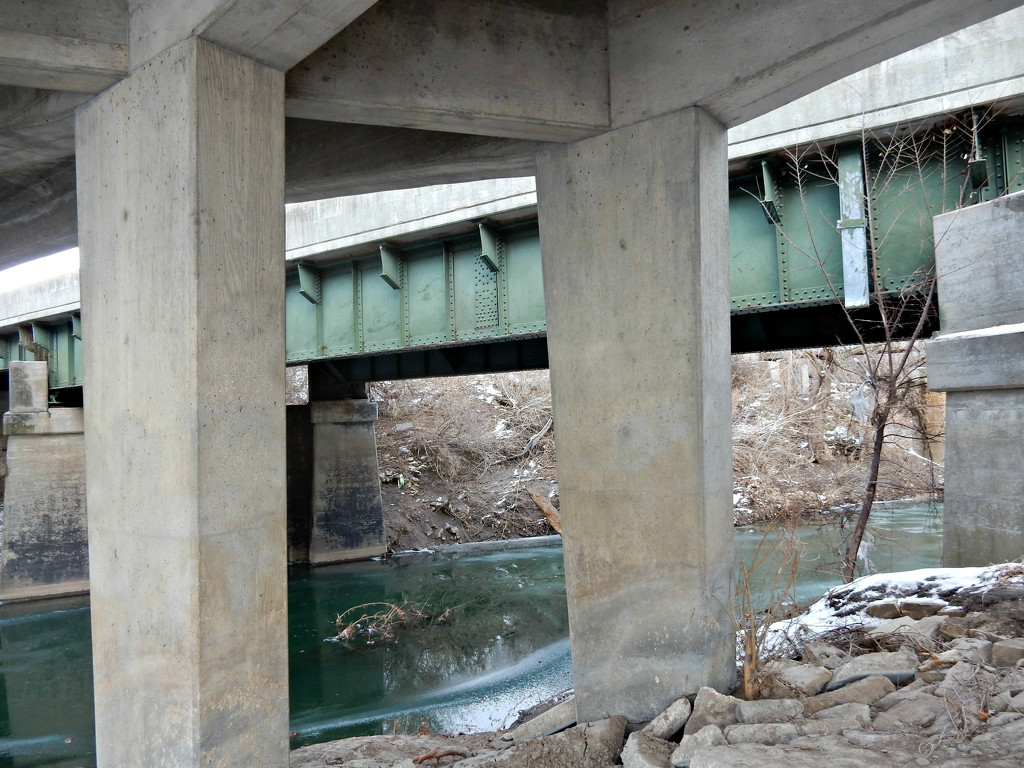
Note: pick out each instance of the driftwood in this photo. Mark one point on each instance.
(547, 508)
(438, 752)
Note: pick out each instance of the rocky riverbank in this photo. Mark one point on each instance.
(924, 668)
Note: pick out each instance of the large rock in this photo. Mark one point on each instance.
(761, 733)
(921, 607)
(909, 692)
(643, 750)
(967, 688)
(711, 708)
(708, 736)
(822, 753)
(866, 691)
(859, 713)
(898, 666)
(560, 716)
(883, 609)
(668, 723)
(590, 745)
(769, 710)
(383, 751)
(973, 649)
(1006, 653)
(825, 655)
(789, 679)
(912, 714)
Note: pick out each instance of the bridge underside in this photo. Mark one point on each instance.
(180, 164)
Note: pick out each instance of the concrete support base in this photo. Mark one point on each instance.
(635, 253)
(45, 547)
(978, 361)
(181, 221)
(348, 521)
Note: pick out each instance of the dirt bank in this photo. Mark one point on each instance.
(457, 455)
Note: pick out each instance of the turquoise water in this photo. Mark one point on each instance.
(502, 647)
(899, 538)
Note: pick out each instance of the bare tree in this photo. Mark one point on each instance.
(908, 177)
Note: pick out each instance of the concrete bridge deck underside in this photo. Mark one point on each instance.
(180, 164)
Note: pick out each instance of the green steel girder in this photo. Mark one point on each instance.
(57, 341)
(475, 302)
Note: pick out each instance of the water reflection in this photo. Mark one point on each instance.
(46, 709)
(899, 538)
(501, 647)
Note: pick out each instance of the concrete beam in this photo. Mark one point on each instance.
(980, 65)
(74, 45)
(325, 159)
(740, 60)
(534, 70)
(279, 34)
(359, 223)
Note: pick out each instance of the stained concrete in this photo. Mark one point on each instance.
(984, 506)
(347, 515)
(181, 179)
(634, 243)
(45, 545)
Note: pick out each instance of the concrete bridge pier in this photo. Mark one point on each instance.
(978, 361)
(45, 546)
(347, 516)
(181, 226)
(635, 253)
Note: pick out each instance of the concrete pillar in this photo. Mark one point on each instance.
(181, 225)
(45, 546)
(348, 521)
(634, 240)
(978, 361)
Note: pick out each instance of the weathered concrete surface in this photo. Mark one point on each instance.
(984, 509)
(348, 520)
(340, 225)
(45, 298)
(548, 71)
(977, 65)
(634, 242)
(29, 392)
(978, 360)
(978, 257)
(45, 543)
(182, 229)
(540, 70)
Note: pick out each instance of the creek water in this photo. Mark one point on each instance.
(502, 646)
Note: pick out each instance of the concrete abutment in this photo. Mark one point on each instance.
(978, 361)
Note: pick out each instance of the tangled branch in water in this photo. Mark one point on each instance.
(360, 625)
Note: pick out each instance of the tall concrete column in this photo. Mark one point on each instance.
(45, 548)
(181, 222)
(978, 361)
(635, 253)
(347, 516)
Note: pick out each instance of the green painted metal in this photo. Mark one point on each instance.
(486, 287)
(54, 341)
(466, 289)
